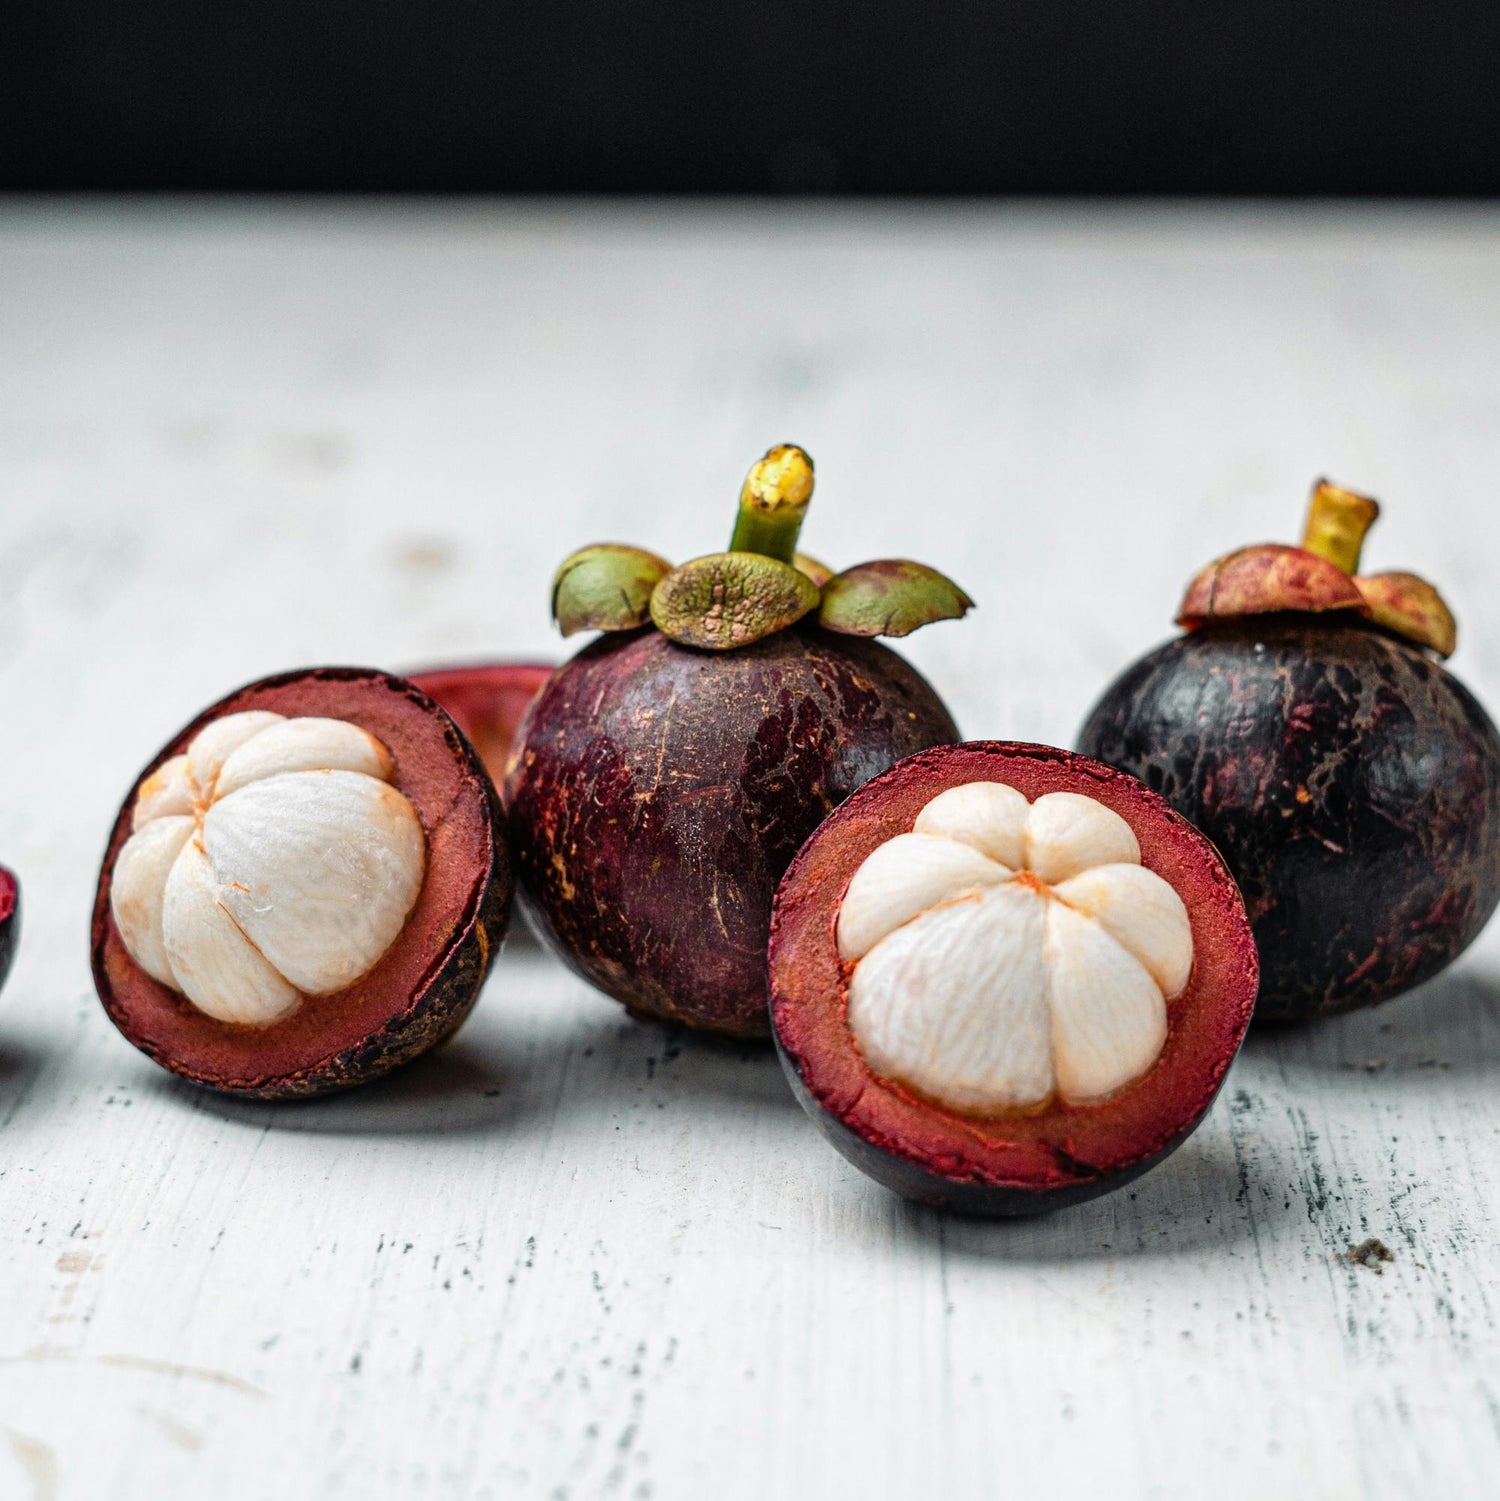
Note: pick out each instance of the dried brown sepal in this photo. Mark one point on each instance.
(1266, 580)
(890, 597)
(606, 587)
(1410, 607)
(730, 599)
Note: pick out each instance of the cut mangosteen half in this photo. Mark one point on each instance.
(487, 701)
(1006, 978)
(10, 920)
(304, 889)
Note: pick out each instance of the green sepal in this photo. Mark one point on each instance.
(891, 597)
(606, 587)
(730, 599)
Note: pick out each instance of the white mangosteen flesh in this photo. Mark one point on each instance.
(1006, 953)
(271, 862)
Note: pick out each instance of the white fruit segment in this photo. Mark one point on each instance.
(910, 1002)
(326, 867)
(902, 879)
(272, 862)
(165, 793)
(1007, 951)
(140, 878)
(304, 745)
(213, 963)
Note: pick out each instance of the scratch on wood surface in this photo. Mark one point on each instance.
(177, 1433)
(45, 1355)
(38, 1463)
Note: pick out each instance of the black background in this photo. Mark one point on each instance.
(1045, 96)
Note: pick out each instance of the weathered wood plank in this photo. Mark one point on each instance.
(571, 1255)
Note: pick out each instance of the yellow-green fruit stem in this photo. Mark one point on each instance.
(1337, 521)
(773, 501)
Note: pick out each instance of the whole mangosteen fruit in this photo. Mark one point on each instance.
(1305, 725)
(1007, 978)
(669, 772)
(304, 889)
(10, 920)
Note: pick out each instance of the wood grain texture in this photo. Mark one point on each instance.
(574, 1256)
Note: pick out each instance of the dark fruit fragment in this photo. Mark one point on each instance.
(487, 701)
(1045, 1008)
(412, 768)
(662, 791)
(10, 920)
(1352, 784)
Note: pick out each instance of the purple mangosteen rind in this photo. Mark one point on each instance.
(10, 921)
(889, 1166)
(447, 981)
(662, 791)
(669, 772)
(1016, 1163)
(1352, 783)
(487, 701)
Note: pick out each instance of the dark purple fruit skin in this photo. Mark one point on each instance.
(956, 1195)
(10, 921)
(1351, 783)
(663, 791)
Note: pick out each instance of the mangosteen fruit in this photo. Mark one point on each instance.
(10, 920)
(1304, 723)
(669, 772)
(304, 889)
(487, 701)
(1007, 978)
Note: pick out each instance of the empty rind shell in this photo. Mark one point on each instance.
(488, 702)
(982, 984)
(1005, 978)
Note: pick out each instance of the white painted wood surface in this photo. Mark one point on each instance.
(572, 1256)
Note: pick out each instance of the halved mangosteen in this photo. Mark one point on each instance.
(304, 889)
(10, 920)
(1006, 978)
(487, 701)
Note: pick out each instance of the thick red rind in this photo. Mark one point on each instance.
(1019, 1163)
(1266, 580)
(426, 983)
(487, 701)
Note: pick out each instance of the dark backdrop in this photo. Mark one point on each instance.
(865, 96)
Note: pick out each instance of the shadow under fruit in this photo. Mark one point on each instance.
(1305, 725)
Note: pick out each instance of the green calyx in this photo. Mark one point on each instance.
(892, 597)
(730, 599)
(606, 587)
(761, 585)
